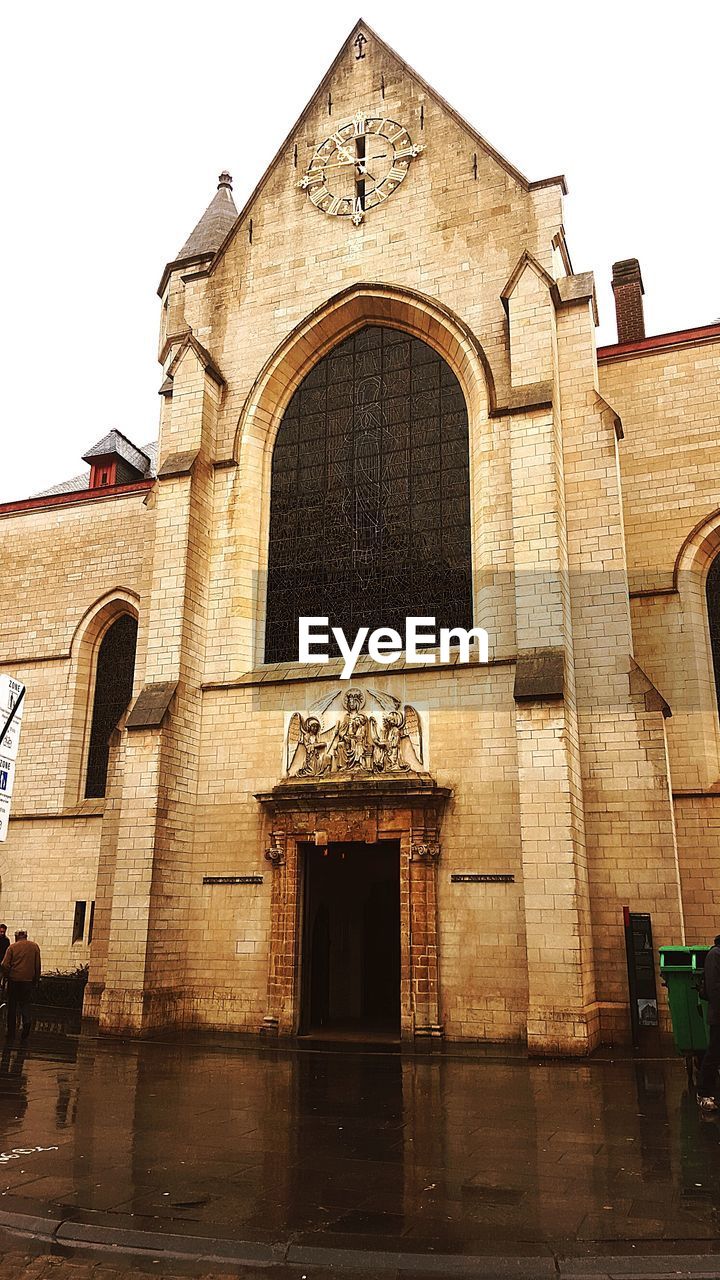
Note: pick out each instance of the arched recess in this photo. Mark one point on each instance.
(369, 493)
(698, 655)
(84, 653)
(355, 308)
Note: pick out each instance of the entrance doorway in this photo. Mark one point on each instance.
(351, 940)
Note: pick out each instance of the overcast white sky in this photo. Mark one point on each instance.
(117, 119)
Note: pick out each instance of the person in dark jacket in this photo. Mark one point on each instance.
(21, 966)
(707, 1081)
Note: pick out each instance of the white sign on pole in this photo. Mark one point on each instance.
(7, 779)
(12, 705)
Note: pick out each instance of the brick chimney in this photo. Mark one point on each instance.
(628, 289)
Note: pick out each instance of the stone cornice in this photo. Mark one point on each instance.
(151, 705)
(313, 793)
(178, 265)
(177, 464)
(528, 399)
(301, 673)
(570, 290)
(540, 675)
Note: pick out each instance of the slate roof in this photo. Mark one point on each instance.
(77, 483)
(116, 443)
(215, 223)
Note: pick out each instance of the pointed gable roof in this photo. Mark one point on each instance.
(208, 236)
(363, 27)
(190, 343)
(526, 259)
(215, 223)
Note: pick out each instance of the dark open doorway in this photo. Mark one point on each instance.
(351, 940)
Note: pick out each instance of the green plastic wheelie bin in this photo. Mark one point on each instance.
(681, 970)
(698, 965)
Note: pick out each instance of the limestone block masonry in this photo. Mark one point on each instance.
(521, 804)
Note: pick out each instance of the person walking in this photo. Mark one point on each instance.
(4, 944)
(707, 1080)
(21, 965)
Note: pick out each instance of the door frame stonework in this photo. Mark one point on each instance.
(366, 811)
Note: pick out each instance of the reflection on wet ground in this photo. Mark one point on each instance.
(357, 1149)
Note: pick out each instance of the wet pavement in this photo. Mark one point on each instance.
(361, 1151)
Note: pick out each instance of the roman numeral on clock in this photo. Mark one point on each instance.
(319, 195)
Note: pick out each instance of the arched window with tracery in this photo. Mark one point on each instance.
(712, 593)
(370, 493)
(114, 672)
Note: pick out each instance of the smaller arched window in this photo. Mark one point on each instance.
(114, 672)
(712, 593)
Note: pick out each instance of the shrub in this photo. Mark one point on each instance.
(63, 990)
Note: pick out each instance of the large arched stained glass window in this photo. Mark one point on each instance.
(370, 498)
(712, 589)
(113, 689)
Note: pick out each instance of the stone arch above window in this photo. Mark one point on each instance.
(113, 683)
(370, 493)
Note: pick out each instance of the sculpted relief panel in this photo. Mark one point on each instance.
(356, 732)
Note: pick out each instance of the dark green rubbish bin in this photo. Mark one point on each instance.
(698, 967)
(681, 971)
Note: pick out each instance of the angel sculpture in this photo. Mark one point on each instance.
(306, 736)
(402, 737)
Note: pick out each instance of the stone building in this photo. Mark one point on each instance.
(380, 397)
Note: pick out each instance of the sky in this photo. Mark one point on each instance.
(118, 119)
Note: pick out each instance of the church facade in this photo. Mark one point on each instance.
(381, 398)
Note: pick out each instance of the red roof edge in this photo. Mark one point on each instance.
(80, 495)
(680, 338)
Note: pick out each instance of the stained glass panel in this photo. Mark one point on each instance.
(370, 498)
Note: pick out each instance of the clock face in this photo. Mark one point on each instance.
(359, 166)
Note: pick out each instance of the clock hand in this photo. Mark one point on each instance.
(340, 164)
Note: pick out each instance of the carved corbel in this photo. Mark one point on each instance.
(427, 851)
(275, 852)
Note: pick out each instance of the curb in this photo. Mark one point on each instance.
(69, 1233)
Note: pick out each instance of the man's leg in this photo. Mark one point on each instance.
(11, 1011)
(24, 1001)
(707, 1083)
